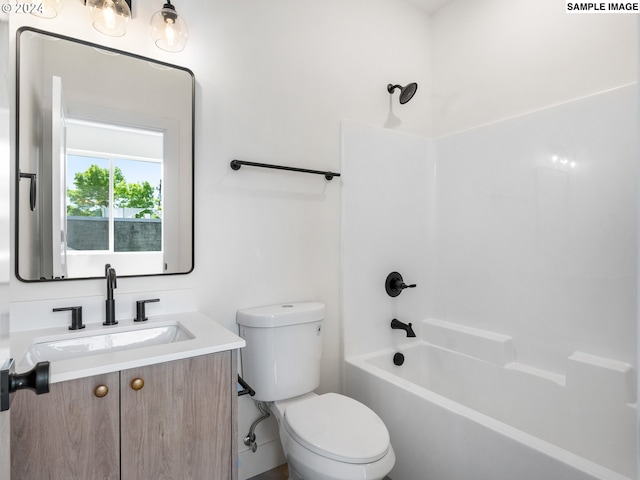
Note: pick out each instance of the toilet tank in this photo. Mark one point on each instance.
(284, 349)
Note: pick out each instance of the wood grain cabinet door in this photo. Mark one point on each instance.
(178, 420)
(72, 433)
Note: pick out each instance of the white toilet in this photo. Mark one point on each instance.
(324, 437)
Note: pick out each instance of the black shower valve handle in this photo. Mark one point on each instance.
(394, 284)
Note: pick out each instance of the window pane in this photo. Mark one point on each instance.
(137, 203)
(87, 203)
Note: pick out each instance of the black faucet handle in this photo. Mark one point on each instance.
(140, 313)
(76, 317)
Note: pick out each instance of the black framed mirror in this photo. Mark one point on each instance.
(105, 143)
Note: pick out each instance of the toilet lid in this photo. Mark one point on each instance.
(338, 427)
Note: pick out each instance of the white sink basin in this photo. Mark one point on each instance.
(112, 339)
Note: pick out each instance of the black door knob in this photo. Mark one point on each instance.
(36, 379)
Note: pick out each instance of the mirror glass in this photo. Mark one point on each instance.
(104, 161)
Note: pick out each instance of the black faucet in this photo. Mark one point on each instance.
(398, 325)
(110, 273)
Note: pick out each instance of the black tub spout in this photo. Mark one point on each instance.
(398, 325)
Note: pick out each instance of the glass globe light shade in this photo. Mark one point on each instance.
(168, 29)
(110, 16)
(46, 8)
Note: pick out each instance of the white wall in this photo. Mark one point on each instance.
(494, 59)
(274, 80)
(280, 76)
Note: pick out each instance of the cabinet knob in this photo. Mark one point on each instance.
(137, 383)
(101, 391)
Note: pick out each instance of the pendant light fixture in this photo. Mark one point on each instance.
(168, 29)
(110, 16)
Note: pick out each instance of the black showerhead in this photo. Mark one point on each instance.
(406, 93)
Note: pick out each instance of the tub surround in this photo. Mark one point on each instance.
(496, 235)
(475, 374)
(456, 442)
(527, 277)
(208, 337)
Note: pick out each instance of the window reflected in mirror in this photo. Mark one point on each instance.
(113, 198)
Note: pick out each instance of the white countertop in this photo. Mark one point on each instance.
(209, 337)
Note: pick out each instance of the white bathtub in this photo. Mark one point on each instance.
(463, 409)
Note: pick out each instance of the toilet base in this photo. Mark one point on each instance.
(306, 466)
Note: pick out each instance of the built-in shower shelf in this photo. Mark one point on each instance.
(615, 380)
(537, 372)
(585, 374)
(485, 345)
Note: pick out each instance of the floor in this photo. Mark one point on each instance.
(279, 473)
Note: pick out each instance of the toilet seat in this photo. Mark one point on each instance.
(337, 427)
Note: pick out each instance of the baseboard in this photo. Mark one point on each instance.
(268, 455)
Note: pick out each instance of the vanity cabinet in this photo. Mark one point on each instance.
(174, 420)
(67, 433)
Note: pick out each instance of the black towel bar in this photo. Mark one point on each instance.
(236, 164)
